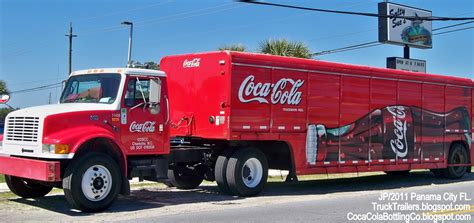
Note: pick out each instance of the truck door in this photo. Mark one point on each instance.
(142, 129)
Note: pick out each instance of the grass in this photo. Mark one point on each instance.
(9, 195)
(302, 177)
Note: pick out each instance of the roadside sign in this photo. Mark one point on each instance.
(399, 63)
(399, 31)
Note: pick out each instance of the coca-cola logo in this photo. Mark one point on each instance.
(250, 91)
(147, 126)
(192, 63)
(399, 144)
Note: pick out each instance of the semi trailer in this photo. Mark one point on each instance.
(229, 117)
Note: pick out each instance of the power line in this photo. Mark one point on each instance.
(363, 45)
(107, 15)
(454, 30)
(169, 18)
(30, 82)
(356, 48)
(337, 50)
(342, 35)
(259, 23)
(429, 18)
(44, 87)
(376, 43)
(125, 11)
(459, 24)
(173, 17)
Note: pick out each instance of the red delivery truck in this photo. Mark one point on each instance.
(229, 117)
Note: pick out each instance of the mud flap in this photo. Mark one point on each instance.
(125, 189)
(291, 177)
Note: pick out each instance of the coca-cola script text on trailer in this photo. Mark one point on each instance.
(399, 145)
(250, 91)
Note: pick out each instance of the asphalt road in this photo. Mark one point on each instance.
(327, 200)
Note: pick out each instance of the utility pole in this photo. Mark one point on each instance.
(70, 36)
(129, 59)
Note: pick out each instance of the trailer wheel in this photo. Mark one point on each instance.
(247, 172)
(26, 188)
(399, 173)
(220, 171)
(92, 183)
(457, 155)
(168, 183)
(437, 172)
(184, 178)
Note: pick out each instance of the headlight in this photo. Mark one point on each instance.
(56, 148)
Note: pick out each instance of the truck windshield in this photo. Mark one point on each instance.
(91, 88)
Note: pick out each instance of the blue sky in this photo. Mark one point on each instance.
(33, 50)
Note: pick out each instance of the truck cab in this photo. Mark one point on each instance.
(110, 125)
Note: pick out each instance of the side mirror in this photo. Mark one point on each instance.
(155, 91)
(155, 96)
(4, 98)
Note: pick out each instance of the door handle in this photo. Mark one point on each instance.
(167, 110)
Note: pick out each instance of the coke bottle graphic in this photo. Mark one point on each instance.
(388, 133)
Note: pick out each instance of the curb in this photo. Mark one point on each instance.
(4, 187)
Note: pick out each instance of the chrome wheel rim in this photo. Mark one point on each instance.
(96, 183)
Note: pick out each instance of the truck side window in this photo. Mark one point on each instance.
(137, 92)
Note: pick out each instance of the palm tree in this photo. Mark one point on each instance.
(235, 47)
(283, 47)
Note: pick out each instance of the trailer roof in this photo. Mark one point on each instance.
(312, 65)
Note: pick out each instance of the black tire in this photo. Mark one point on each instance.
(184, 178)
(238, 168)
(220, 170)
(168, 183)
(92, 164)
(437, 172)
(399, 173)
(26, 188)
(457, 155)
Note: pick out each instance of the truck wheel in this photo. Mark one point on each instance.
(398, 173)
(457, 155)
(26, 188)
(247, 172)
(92, 183)
(184, 178)
(220, 171)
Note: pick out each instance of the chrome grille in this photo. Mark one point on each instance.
(22, 129)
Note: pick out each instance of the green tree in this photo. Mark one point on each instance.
(3, 88)
(147, 65)
(234, 47)
(4, 112)
(284, 47)
(152, 65)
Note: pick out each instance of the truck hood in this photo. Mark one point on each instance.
(46, 110)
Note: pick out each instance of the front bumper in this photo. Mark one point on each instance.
(30, 168)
